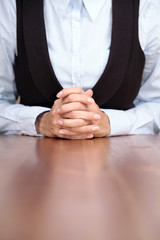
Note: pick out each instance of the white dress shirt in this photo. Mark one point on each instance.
(79, 37)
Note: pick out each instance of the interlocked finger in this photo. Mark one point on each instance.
(88, 129)
(86, 115)
(82, 98)
(76, 137)
(72, 123)
(67, 91)
(65, 108)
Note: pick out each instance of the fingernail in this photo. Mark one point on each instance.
(59, 94)
(90, 136)
(95, 128)
(97, 116)
(90, 100)
(62, 131)
(58, 110)
(60, 122)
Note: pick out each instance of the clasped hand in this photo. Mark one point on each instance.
(74, 115)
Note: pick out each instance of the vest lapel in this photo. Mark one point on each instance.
(120, 51)
(37, 51)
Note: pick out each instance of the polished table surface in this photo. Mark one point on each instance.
(100, 189)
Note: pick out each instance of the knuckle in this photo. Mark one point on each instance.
(56, 102)
(52, 113)
(85, 98)
(55, 132)
(79, 89)
(92, 116)
(73, 130)
(54, 123)
(81, 122)
(73, 114)
(79, 105)
(62, 109)
(70, 98)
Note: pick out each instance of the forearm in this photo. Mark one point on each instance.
(18, 119)
(144, 118)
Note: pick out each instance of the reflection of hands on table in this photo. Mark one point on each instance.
(74, 115)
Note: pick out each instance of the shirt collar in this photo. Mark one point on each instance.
(93, 7)
(60, 6)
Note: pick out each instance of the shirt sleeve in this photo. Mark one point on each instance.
(144, 118)
(14, 118)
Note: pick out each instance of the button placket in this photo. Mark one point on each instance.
(76, 36)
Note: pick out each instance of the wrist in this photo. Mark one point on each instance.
(107, 124)
(39, 122)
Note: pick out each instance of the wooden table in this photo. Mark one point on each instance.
(100, 189)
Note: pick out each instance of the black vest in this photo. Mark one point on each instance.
(120, 82)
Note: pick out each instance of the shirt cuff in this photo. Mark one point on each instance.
(27, 119)
(120, 124)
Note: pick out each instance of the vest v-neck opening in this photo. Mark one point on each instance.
(126, 57)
